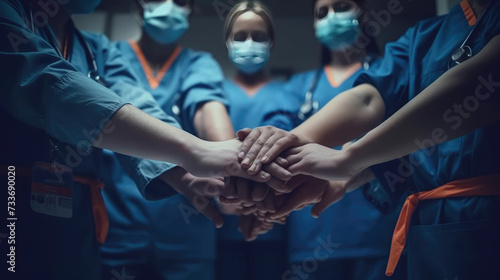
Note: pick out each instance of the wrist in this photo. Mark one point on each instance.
(176, 178)
(192, 151)
(301, 138)
(352, 160)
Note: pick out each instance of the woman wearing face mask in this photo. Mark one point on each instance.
(249, 37)
(166, 239)
(357, 234)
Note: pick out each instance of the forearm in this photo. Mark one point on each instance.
(212, 122)
(344, 118)
(437, 114)
(133, 132)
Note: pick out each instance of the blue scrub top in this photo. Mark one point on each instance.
(168, 227)
(452, 238)
(410, 65)
(356, 227)
(42, 95)
(248, 112)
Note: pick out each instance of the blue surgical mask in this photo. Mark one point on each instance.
(165, 22)
(338, 31)
(81, 6)
(249, 56)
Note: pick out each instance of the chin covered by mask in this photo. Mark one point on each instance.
(165, 22)
(338, 31)
(249, 56)
(80, 6)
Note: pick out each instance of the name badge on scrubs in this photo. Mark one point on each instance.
(51, 189)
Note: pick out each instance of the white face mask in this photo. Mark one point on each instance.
(165, 22)
(249, 56)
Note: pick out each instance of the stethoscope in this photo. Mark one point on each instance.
(91, 62)
(464, 52)
(93, 72)
(310, 105)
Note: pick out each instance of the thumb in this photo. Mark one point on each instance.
(242, 134)
(332, 195)
(205, 206)
(211, 212)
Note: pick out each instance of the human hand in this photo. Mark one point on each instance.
(263, 144)
(319, 161)
(219, 159)
(306, 190)
(198, 191)
(251, 227)
(337, 189)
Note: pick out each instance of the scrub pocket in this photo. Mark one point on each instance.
(454, 251)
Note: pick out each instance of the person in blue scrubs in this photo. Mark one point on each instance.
(166, 239)
(360, 232)
(53, 113)
(249, 36)
(442, 111)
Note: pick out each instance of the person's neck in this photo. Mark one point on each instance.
(478, 6)
(59, 25)
(155, 53)
(346, 58)
(251, 80)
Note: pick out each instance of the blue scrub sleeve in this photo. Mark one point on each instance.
(284, 105)
(43, 90)
(202, 82)
(391, 77)
(117, 75)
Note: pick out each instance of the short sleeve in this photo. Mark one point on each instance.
(43, 90)
(202, 82)
(391, 77)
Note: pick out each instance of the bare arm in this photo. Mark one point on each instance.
(133, 132)
(345, 117)
(212, 122)
(433, 113)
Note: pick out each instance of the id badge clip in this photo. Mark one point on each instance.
(51, 189)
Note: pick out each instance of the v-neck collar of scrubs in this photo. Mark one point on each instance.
(245, 90)
(331, 78)
(154, 80)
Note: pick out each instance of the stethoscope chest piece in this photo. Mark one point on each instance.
(460, 55)
(94, 75)
(309, 107)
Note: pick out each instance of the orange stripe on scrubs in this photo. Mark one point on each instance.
(154, 81)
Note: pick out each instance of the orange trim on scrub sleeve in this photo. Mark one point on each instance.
(331, 77)
(478, 186)
(154, 81)
(468, 12)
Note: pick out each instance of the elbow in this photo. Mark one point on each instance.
(372, 106)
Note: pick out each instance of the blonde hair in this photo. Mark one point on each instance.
(249, 6)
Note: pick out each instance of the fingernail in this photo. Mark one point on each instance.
(241, 155)
(264, 159)
(265, 176)
(246, 161)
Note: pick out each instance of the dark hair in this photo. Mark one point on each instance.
(249, 6)
(371, 49)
